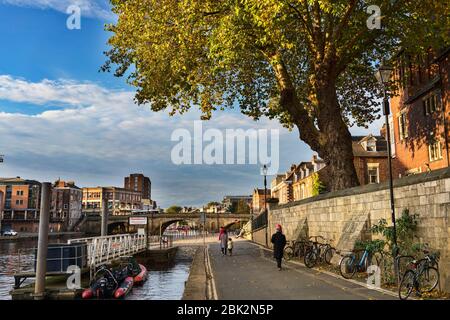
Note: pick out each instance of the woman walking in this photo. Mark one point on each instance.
(223, 238)
(279, 241)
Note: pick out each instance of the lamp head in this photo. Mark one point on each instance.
(383, 75)
(264, 170)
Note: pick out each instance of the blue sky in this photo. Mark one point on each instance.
(60, 117)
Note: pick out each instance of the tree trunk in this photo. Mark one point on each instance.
(336, 141)
(330, 137)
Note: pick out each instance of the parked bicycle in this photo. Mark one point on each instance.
(357, 262)
(318, 252)
(297, 248)
(422, 276)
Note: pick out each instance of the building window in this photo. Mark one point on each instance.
(434, 151)
(373, 173)
(19, 192)
(431, 103)
(19, 202)
(302, 191)
(402, 126)
(371, 145)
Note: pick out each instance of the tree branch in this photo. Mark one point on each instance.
(289, 101)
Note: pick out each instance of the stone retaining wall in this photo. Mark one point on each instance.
(347, 215)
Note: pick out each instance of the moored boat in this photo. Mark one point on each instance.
(103, 287)
(124, 288)
(141, 277)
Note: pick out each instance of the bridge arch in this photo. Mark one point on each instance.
(117, 227)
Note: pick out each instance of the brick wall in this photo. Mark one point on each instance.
(346, 215)
(412, 152)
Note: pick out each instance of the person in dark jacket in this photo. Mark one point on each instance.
(279, 241)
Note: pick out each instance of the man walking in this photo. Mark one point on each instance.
(279, 241)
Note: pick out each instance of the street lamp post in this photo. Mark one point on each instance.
(264, 170)
(383, 75)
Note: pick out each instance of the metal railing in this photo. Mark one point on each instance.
(101, 250)
(162, 242)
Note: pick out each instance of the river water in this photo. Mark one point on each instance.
(165, 282)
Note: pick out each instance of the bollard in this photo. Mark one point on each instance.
(104, 226)
(41, 263)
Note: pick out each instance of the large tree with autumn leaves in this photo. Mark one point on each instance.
(308, 63)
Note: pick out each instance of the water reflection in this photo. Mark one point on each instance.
(164, 283)
(14, 255)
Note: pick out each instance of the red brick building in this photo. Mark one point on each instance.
(418, 113)
(139, 183)
(370, 159)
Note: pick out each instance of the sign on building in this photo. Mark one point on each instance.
(138, 220)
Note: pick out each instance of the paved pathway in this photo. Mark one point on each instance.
(251, 273)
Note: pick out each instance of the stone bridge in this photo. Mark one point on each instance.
(157, 221)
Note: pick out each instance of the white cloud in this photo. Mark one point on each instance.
(100, 135)
(89, 8)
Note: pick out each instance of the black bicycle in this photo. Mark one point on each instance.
(296, 248)
(318, 252)
(422, 276)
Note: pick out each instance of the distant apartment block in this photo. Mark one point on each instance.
(21, 200)
(120, 201)
(419, 121)
(66, 204)
(139, 183)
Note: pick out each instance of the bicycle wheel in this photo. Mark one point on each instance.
(328, 254)
(288, 253)
(300, 249)
(310, 258)
(347, 266)
(406, 285)
(428, 279)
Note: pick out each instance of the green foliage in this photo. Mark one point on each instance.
(371, 246)
(308, 63)
(406, 227)
(174, 209)
(213, 54)
(318, 186)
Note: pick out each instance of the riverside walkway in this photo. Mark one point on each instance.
(251, 273)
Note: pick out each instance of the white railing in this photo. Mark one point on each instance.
(105, 249)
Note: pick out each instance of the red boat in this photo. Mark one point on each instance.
(141, 276)
(124, 288)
